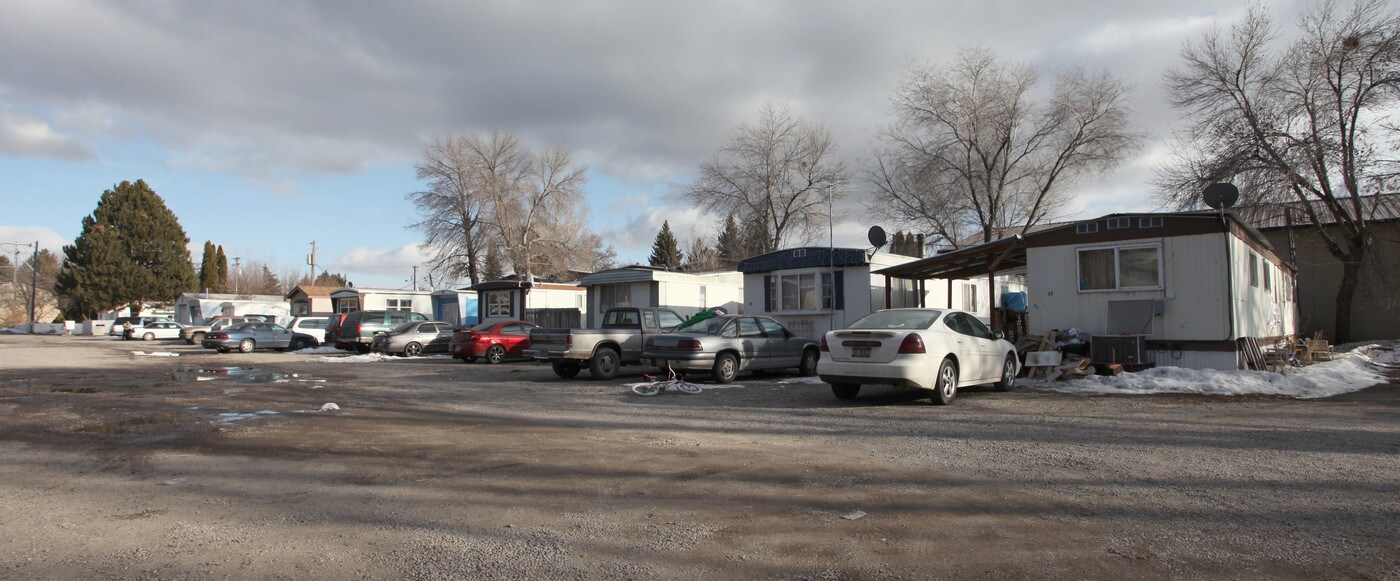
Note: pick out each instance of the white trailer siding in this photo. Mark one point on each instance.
(1263, 307)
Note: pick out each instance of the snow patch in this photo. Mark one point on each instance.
(1351, 371)
(229, 418)
(366, 358)
(155, 354)
(320, 350)
(812, 379)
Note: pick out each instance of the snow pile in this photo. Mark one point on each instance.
(329, 407)
(812, 379)
(155, 354)
(1351, 371)
(366, 358)
(321, 350)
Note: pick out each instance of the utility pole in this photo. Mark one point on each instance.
(312, 262)
(415, 277)
(237, 274)
(33, 286)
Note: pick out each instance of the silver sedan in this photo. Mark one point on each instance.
(726, 345)
(414, 338)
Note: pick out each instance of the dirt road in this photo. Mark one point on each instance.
(116, 465)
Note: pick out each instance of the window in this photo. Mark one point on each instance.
(401, 305)
(1150, 222)
(772, 328)
(969, 297)
(498, 304)
(798, 292)
(748, 327)
(828, 293)
(1087, 228)
(1253, 269)
(1120, 268)
(347, 306)
(614, 295)
(1268, 277)
(300, 308)
(1119, 223)
(397, 318)
(669, 320)
(648, 319)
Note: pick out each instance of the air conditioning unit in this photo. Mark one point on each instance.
(1119, 349)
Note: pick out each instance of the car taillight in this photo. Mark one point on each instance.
(218, 336)
(569, 340)
(689, 345)
(357, 328)
(913, 343)
(473, 337)
(823, 345)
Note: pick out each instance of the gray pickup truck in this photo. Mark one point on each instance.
(619, 342)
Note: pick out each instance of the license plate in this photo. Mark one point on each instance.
(860, 352)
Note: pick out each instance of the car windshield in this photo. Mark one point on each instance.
(405, 327)
(709, 326)
(910, 319)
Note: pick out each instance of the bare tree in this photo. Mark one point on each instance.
(542, 214)
(463, 173)
(700, 257)
(782, 172)
(971, 152)
(1308, 122)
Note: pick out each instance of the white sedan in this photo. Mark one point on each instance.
(157, 330)
(932, 349)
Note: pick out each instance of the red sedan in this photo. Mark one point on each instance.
(493, 341)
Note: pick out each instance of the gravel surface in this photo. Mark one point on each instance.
(114, 465)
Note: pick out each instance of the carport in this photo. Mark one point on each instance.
(985, 259)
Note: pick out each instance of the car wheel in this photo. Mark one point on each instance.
(361, 348)
(223, 350)
(148, 336)
(412, 349)
(603, 365)
(726, 368)
(468, 360)
(946, 387)
(298, 344)
(495, 354)
(845, 390)
(196, 338)
(1008, 375)
(567, 370)
(246, 346)
(808, 366)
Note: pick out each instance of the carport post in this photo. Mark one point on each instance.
(950, 293)
(887, 291)
(992, 296)
(921, 291)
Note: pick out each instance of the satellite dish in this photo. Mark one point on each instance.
(877, 237)
(1221, 195)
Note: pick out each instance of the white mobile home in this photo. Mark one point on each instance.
(352, 299)
(548, 304)
(1176, 289)
(813, 290)
(647, 286)
(194, 308)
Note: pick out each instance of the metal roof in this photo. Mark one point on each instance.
(805, 257)
(1376, 208)
(1004, 254)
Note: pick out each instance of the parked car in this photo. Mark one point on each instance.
(156, 330)
(357, 330)
(246, 337)
(726, 345)
(414, 339)
(605, 350)
(311, 325)
(494, 341)
(194, 334)
(333, 326)
(116, 329)
(934, 349)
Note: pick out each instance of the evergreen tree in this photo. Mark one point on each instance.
(334, 279)
(492, 267)
(131, 250)
(221, 280)
(756, 238)
(897, 243)
(730, 244)
(208, 269)
(666, 251)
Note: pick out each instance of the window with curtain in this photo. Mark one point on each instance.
(498, 304)
(1120, 268)
(1096, 269)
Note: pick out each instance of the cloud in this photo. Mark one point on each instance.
(47, 239)
(25, 136)
(1112, 36)
(385, 264)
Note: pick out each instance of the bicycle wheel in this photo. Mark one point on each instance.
(647, 389)
(687, 387)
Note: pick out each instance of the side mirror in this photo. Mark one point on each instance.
(998, 335)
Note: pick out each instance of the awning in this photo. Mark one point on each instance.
(973, 261)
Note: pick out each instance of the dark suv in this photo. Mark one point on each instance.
(357, 330)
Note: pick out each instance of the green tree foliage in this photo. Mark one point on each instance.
(730, 242)
(131, 250)
(492, 268)
(335, 279)
(221, 281)
(666, 251)
(209, 269)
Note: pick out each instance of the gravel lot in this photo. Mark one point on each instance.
(115, 465)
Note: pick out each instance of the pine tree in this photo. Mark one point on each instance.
(208, 269)
(757, 239)
(131, 250)
(897, 243)
(334, 279)
(221, 281)
(492, 268)
(729, 244)
(666, 251)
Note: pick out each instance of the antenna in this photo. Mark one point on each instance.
(1221, 195)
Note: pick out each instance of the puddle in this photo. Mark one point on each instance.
(229, 418)
(121, 426)
(184, 372)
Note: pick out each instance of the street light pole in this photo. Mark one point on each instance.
(34, 286)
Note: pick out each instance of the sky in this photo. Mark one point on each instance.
(269, 125)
